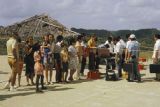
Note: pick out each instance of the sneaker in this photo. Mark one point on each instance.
(6, 85)
(16, 86)
(12, 88)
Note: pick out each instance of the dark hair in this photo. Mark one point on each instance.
(157, 36)
(79, 37)
(59, 38)
(29, 37)
(119, 37)
(50, 34)
(83, 34)
(116, 39)
(128, 35)
(132, 39)
(36, 46)
(71, 41)
(110, 38)
(19, 39)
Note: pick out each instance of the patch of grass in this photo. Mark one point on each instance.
(146, 54)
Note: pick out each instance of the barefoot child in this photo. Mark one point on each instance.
(38, 67)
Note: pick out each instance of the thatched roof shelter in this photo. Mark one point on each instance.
(39, 25)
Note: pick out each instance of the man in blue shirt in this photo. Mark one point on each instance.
(133, 55)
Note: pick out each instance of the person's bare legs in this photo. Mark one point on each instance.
(19, 73)
(50, 75)
(46, 75)
(72, 71)
(14, 74)
(19, 79)
(66, 75)
(63, 78)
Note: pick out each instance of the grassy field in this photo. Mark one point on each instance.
(147, 54)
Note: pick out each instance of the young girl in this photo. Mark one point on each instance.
(38, 67)
(46, 51)
(64, 62)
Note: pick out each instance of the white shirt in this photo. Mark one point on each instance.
(72, 50)
(156, 48)
(119, 48)
(111, 46)
(123, 43)
(83, 44)
(57, 48)
(127, 44)
(12, 44)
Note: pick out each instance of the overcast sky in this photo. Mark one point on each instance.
(91, 14)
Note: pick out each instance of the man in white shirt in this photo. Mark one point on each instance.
(110, 43)
(12, 53)
(119, 52)
(111, 61)
(57, 58)
(156, 53)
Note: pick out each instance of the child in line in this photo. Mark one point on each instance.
(64, 62)
(38, 67)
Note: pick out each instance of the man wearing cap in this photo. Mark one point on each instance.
(133, 54)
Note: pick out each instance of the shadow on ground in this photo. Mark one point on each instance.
(151, 79)
(5, 97)
(2, 72)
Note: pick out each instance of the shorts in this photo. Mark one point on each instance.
(13, 64)
(64, 66)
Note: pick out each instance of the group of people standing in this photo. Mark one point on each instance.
(69, 58)
(124, 52)
(40, 59)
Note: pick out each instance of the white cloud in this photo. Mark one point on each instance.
(100, 14)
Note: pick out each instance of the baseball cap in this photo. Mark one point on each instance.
(132, 36)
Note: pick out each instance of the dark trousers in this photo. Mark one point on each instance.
(119, 67)
(97, 62)
(58, 67)
(110, 64)
(91, 61)
(39, 78)
(83, 64)
(58, 71)
(134, 73)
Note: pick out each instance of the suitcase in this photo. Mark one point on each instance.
(103, 52)
(128, 67)
(155, 68)
(93, 75)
